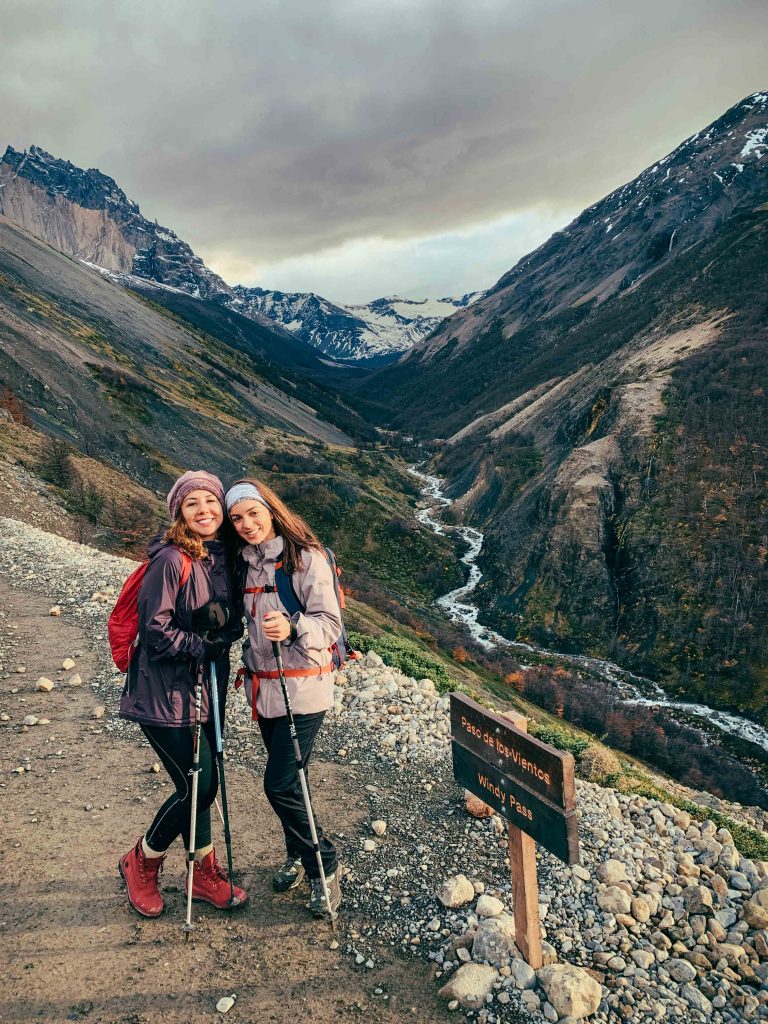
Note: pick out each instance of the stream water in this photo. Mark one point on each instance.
(459, 607)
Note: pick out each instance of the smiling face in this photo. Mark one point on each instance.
(252, 521)
(202, 512)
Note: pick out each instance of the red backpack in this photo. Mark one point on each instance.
(123, 624)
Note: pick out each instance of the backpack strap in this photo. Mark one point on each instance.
(348, 653)
(186, 568)
(289, 599)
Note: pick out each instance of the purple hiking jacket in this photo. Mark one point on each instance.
(159, 686)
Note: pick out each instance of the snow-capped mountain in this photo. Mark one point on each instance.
(85, 214)
(377, 331)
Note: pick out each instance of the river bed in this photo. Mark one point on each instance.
(458, 606)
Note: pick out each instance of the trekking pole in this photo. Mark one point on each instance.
(188, 926)
(332, 914)
(214, 697)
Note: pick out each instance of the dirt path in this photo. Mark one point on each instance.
(72, 947)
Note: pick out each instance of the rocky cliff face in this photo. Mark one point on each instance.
(682, 199)
(126, 383)
(84, 214)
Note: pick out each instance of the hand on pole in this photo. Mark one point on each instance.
(276, 626)
(214, 647)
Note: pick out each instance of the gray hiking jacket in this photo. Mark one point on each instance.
(159, 686)
(317, 627)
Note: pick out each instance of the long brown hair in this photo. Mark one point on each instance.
(296, 533)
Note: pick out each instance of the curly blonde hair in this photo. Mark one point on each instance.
(179, 533)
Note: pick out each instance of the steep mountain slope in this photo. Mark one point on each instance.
(123, 379)
(606, 423)
(375, 333)
(108, 394)
(684, 198)
(85, 214)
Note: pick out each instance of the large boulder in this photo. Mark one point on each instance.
(611, 872)
(470, 985)
(522, 974)
(495, 939)
(571, 990)
(614, 900)
(697, 899)
(680, 970)
(489, 906)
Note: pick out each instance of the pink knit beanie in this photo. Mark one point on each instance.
(193, 480)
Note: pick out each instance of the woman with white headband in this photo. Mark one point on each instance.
(277, 541)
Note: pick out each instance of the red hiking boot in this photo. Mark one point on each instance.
(140, 875)
(210, 883)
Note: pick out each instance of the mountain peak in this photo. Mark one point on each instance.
(88, 188)
(673, 204)
(85, 214)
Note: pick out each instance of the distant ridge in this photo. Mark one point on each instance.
(85, 214)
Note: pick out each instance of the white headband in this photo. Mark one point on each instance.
(240, 492)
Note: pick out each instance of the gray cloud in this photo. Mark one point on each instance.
(264, 131)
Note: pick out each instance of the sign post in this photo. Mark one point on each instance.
(529, 783)
(525, 884)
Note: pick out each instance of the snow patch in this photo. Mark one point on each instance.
(755, 140)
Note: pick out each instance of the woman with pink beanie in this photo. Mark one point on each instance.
(187, 617)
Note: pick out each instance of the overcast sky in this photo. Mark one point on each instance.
(360, 148)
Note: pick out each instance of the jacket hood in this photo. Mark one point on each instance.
(157, 543)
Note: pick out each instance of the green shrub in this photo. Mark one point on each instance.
(55, 464)
(405, 655)
(599, 764)
(558, 736)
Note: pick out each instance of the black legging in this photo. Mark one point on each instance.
(283, 789)
(174, 748)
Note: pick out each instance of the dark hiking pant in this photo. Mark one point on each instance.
(173, 745)
(283, 789)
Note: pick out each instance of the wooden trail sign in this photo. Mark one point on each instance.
(539, 819)
(530, 784)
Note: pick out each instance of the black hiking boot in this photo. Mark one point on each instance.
(288, 875)
(317, 904)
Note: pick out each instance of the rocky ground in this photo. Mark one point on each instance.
(662, 919)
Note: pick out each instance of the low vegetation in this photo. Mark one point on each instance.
(359, 503)
(407, 657)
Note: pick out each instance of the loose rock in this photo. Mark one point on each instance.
(469, 986)
(571, 991)
(456, 891)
